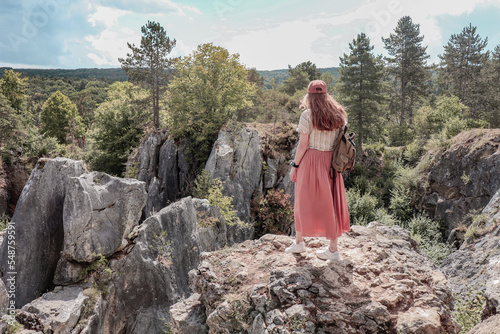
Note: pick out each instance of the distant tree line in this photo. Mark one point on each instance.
(397, 100)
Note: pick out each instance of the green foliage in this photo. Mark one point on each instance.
(11, 127)
(202, 184)
(163, 247)
(4, 221)
(98, 273)
(149, 64)
(275, 213)
(118, 127)
(463, 59)
(224, 203)
(429, 236)
(361, 207)
(60, 119)
(406, 67)
(468, 308)
(404, 193)
(13, 87)
(360, 88)
(211, 84)
(206, 187)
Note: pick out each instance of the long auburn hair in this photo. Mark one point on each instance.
(326, 113)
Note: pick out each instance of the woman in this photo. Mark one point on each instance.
(320, 208)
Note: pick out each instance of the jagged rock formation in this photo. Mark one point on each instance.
(238, 157)
(80, 232)
(383, 284)
(162, 164)
(38, 222)
(465, 177)
(476, 265)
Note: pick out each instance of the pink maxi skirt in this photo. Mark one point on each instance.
(320, 209)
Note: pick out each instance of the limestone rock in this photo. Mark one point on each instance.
(187, 316)
(465, 177)
(381, 284)
(488, 326)
(163, 166)
(56, 312)
(38, 221)
(99, 212)
(236, 161)
(154, 275)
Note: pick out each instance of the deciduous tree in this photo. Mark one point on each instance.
(60, 119)
(210, 86)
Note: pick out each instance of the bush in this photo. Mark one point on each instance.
(4, 221)
(430, 239)
(361, 207)
(468, 309)
(275, 213)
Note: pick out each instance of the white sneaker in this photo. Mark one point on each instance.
(326, 254)
(296, 248)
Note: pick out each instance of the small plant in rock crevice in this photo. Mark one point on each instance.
(275, 213)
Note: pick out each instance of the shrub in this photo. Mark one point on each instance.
(275, 213)
(361, 207)
(468, 308)
(206, 187)
(384, 217)
(401, 203)
(429, 236)
(4, 221)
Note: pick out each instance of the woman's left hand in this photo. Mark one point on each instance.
(293, 174)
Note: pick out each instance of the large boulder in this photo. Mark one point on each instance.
(39, 233)
(99, 213)
(382, 284)
(153, 274)
(464, 178)
(56, 312)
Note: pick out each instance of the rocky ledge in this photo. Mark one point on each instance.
(382, 284)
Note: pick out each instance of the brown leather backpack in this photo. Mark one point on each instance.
(344, 152)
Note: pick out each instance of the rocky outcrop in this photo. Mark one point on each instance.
(465, 177)
(162, 165)
(476, 265)
(251, 159)
(55, 312)
(382, 284)
(38, 223)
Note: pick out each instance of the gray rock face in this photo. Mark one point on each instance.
(38, 222)
(477, 262)
(187, 316)
(163, 166)
(465, 177)
(154, 274)
(99, 212)
(55, 312)
(236, 161)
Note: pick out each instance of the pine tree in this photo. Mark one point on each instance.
(461, 65)
(360, 88)
(407, 66)
(149, 64)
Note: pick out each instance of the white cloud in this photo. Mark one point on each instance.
(324, 38)
(106, 15)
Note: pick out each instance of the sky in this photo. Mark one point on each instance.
(266, 34)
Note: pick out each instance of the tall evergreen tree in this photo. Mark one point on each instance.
(461, 63)
(360, 87)
(149, 64)
(407, 65)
